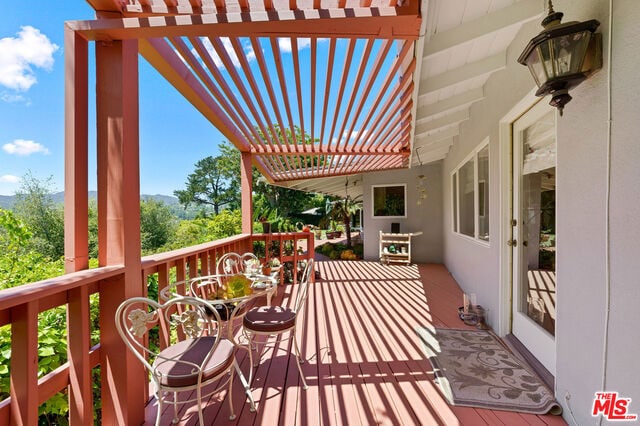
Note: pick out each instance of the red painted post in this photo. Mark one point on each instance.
(124, 384)
(76, 228)
(76, 240)
(245, 193)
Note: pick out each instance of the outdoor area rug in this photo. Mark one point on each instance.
(473, 368)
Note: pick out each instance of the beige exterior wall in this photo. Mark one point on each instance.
(589, 351)
(426, 217)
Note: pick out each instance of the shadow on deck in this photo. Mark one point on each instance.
(365, 363)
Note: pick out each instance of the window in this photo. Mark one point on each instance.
(470, 195)
(389, 201)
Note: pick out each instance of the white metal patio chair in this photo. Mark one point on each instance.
(230, 263)
(277, 320)
(250, 263)
(202, 356)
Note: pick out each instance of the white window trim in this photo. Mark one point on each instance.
(455, 192)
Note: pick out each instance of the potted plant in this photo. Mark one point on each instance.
(272, 265)
(252, 266)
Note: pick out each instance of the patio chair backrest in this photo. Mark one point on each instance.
(189, 317)
(191, 355)
(303, 291)
(230, 263)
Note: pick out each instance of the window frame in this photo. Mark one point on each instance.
(386, 185)
(455, 195)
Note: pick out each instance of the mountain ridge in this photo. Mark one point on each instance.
(8, 201)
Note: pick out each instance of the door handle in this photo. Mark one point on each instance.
(512, 243)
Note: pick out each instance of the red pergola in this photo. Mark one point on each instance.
(240, 63)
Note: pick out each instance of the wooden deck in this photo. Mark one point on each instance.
(365, 362)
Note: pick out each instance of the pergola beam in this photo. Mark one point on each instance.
(382, 22)
(249, 100)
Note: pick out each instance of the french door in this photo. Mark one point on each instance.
(533, 244)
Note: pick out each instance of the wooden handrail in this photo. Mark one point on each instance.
(20, 306)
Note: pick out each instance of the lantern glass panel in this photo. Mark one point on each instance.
(535, 67)
(546, 53)
(569, 52)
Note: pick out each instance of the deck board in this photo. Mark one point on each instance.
(364, 360)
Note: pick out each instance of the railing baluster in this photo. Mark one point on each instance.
(20, 308)
(79, 343)
(24, 364)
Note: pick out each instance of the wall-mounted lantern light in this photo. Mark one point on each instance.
(562, 56)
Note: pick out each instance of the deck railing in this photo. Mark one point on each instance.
(21, 306)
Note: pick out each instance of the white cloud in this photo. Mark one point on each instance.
(9, 179)
(24, 148)
(355, 134)
(13, 98)
(19, 54)
(228, 47)
(285, 44)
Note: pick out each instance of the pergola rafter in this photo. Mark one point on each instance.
(309, 89)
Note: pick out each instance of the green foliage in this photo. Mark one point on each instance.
(271, 200)
(157, 225)
(198, 231)
(20, 263)
(215, 181)
(52, 353)
(341, 211)
(5, 357)
(36, 208)
(93, 229)
(334, 250)
(225, 224)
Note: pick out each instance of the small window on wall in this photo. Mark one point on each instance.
(389, 201)
(470, 195)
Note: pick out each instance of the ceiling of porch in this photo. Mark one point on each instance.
(374, 85)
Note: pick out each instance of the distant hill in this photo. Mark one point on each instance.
(7, 201)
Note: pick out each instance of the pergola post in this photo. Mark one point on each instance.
(124, 383)
(246, 182)
(76, 226)
(76, 190)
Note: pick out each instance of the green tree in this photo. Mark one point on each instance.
(157, 225)
(342, 211)
(285, 201)
(215, 181)
(202, 230)
(224, 225)
(93, 229)
(35, 206)
(20, 263)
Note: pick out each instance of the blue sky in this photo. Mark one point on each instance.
(173, 135)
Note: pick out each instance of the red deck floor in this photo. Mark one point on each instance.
(365, 362)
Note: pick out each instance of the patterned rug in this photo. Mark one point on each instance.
(475, 369)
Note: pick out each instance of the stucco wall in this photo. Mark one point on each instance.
(582, 188)
(474, 265)
(582, 222)
(427, 217)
